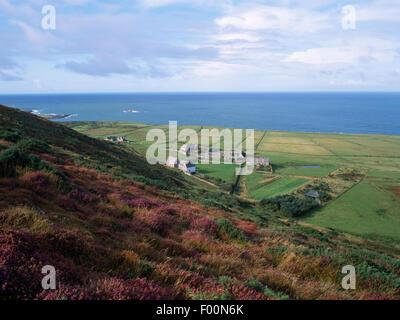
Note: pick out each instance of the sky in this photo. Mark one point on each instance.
(199, 46)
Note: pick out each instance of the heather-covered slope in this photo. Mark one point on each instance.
(116, 228)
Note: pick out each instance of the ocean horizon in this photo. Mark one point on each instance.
(339, 112)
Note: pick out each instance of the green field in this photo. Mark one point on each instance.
(258, 190)
(296, 170)
(225, 172)
(364, 209)
(368, 208)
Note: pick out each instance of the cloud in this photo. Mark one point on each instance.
(346, 55)
(39, 40)
(243, 36)
(103, 65)
(107, 65)
(201, 44)
(382, 10)
(164, 3)
(6, 76)
(281, 19)
(9, 69)
(363, 50)
(348, 82)
(76, 2)
(161, 3)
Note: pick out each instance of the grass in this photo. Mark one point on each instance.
(273, 188)
(363, 210)
(293, 169)
(354, 212)
(225, 172)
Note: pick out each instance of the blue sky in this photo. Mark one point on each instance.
(199, 45)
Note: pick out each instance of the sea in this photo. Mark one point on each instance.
(364, 113)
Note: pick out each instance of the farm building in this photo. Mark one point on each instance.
(314, 194)
(187, 166)
(115, 139)
(172, 162)
(261, 162)
(216, 154)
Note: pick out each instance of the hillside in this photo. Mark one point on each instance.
(358, 176)
(115, 227)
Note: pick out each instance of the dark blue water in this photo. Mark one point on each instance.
(376, 113)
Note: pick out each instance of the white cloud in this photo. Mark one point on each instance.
(279, 19)
(348, 82)
(164, 3)
(201, 44)
(159, 3)
(382, 10)
(244, 36)
(360, 51)
(325, 56)
(76, 2)
(38, 39)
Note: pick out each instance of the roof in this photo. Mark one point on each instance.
(190, 165)
(313, 194)
(187, 164)
(261, 160)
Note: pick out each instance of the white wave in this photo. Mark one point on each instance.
(131, 111)
(71, 115)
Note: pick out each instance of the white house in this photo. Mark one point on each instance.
(187, 166)
(262, 162)
(172, 162)
(121, 139)
(115, 139)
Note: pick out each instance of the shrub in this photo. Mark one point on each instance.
(80, 195)
(204, 224)
(270, 293)
(143, 203)
(24, 217)
(157, 223)
(30, 144)
(9, 136)
(37, 179)
(110, 289)
(290, 205)
(9, 159)
(13, 157)
(22, 256)
(255, 284)
(225, 226)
